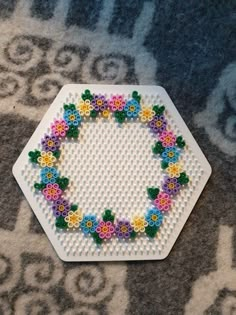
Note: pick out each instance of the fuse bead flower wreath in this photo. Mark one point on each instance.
(168, 146)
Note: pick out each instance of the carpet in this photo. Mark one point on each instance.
(188, 47)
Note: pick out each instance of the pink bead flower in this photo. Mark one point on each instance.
(52, 192)
(117, 102)
(59, 128)
(167, 139)
(163, 201)
(105, 229)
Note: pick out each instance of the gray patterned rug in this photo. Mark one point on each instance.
(189, 48)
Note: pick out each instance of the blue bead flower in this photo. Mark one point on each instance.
(49, 175)
(170, 155)
(89, 224)
(132, 108)
(154, 217)
(72, 117)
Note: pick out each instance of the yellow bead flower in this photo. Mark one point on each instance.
(174, 169)
(74, 218)
(139, 223)
(146, 114)
(84, 107)
(46, 159)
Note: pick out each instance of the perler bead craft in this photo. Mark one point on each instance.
(156, 223)
(106, 227)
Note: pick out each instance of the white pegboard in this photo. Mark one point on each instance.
(109, 167)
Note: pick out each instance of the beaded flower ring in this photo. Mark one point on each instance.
(53, 186)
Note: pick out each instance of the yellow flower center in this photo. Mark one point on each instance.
(124, 229)
(61, 208)
(168, 139)
(162, 201)
(49, 175)
(59, 127)
(154, 217)
(170, 154)
(47, 159)
(104, 229)
(50, 143)
(99, 102)
(89, 224)
(158, 123)
(72, 117)
(73, 218)
(132, 108)
(174, 169)
(52, 191)
(117, 103)
(171, 185)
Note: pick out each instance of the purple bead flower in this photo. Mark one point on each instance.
(123, 229)
(60, 207)
(50, 143)
(158, 124)
(99, 103)
(171, 186)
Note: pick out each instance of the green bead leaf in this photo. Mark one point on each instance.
(57, 154)
(108, 216)
(39, 186)
(136, 96)
(73, 207)
(33, 156)
(159, 110)
(72, 107)
(87, 95)
(63, 182)
(72, 132)
(164, 165)
(152, 192)
(69, 106)
(120, 116)
(61, 223)
(158, 148)
(133, 234)
(93, 113)
(183, 178)
(96, 238)
(151, 231)
(180, 142)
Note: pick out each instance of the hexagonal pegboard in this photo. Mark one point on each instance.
(109, 167)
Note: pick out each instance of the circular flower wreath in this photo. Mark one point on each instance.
(52, 186)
